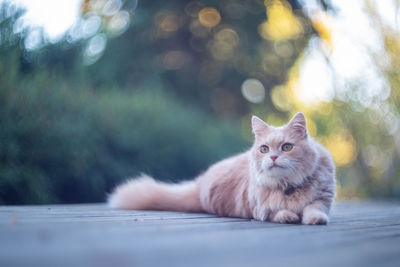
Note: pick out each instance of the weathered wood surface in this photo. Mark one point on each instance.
(360, 234)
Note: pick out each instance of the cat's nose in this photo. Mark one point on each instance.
(274, 157)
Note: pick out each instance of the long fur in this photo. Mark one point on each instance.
(248, 185)
(146, 193)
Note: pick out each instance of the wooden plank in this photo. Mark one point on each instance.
(366, 233)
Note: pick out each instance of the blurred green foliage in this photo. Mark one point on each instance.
(159, 87)
(65, 143)
(74, 123)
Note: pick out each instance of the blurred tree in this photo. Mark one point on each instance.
(64, 140)
(204, 50)
(168, 87)
(201, 50)
(361, 129)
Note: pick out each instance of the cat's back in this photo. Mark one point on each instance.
(325, 162)
(226, 167)
(324, 174)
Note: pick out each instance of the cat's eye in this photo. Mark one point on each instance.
(264, 149)
(287, 147)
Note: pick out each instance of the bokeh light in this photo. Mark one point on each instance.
(209, 17)
(57, 22)
(282, 24)
(119, 22)
(342, 147)
(224, 43)
(95, 48)
(111, 7)
(253, 90)
(90, 26)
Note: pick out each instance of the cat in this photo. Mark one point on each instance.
(286, 177)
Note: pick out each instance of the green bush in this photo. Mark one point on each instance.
(62, 143)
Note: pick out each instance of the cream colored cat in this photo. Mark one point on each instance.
(286, 177)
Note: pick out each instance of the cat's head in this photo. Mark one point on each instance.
(282, 155)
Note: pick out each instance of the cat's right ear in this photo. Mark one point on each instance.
(259, 126)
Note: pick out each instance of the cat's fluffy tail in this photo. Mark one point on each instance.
(144, 193)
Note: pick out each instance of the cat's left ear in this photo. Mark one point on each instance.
(259, 126)
(297, 125)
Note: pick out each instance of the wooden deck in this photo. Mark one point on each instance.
(360, 234)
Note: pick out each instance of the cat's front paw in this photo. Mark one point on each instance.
(286, 216)
(314, 217)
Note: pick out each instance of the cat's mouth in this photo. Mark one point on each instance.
(274, 165)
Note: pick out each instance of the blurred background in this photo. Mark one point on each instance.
(95, 91)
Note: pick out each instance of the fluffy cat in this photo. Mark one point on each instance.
(286, 177)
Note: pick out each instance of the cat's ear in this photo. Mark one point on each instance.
(259, 126)
(297, 125)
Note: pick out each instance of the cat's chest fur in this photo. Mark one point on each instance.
(292, 198)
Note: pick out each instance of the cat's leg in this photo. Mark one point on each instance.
(315, 213)
(260, 213)
(284, 216)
